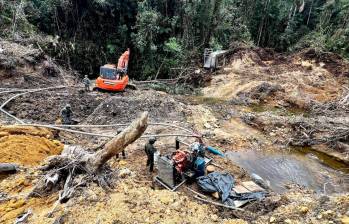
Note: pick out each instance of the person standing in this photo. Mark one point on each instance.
(150, 151)
(66, 115)
(123, 151)
(87, 83)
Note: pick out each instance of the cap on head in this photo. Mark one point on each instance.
(152, 140)
(85, 76)
(68, 106)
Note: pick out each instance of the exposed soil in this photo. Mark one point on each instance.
(46, 106)
(27, 146)
(258, 83)
(282, 91)
(25, 66)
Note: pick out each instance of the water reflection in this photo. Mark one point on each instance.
(300, 167)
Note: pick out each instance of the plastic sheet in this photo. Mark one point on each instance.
(217, 182)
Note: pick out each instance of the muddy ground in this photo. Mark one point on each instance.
(261, 101)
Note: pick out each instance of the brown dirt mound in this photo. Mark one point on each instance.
(15, 130)
(46, 106)
(27, 146)
(334, 63)
(24, 66)
(116, 109)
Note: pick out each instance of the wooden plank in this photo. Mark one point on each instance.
(239, 189)
(238, 204)
(252, 186)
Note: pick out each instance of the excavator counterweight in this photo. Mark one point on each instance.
(114, 77)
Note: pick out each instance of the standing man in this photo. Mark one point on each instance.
(66, 115)
(123, 151)
(87, 83)
(150, 150)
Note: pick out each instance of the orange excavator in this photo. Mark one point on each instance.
(112, 77)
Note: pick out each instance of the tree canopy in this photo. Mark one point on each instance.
(165, 34)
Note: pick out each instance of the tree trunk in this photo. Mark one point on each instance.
(213, 22)
(311, 8)
(260, 32)
(117, 144)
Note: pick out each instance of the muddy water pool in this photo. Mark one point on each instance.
(302, 166)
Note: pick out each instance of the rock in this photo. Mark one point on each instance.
(323, 199)
(303, 209)
(122, 163)
(288, 221)
(272, 219)
(345, 220)
(215, 195)
(207, 125)
(214, 217)
(259, 180)
(165, 199)
(328, 214)
(272, 134)
(176, 205)
(124, 173)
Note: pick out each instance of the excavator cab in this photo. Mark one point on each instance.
(112, 77)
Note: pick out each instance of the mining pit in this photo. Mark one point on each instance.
(281, 117)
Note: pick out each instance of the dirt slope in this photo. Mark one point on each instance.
(25, 66)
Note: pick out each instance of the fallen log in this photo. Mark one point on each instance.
(117, 144)
(76, 167)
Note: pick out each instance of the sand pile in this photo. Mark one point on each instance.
(27, 146)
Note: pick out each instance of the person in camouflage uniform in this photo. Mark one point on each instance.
(123, 151)
(150, 150)
(66, 115)
(87, 83)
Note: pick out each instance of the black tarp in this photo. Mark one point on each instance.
(217, 182)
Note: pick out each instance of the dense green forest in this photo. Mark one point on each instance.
(168, 34)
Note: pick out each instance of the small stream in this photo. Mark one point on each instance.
(302, 166)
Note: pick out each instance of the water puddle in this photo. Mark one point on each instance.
(289, 111)
(303, 167)
(197, 100)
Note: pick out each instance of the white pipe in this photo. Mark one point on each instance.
(31, 91)
(57, 127)
(12, 116)
(117, 125)
(14, 91)
(102, 135)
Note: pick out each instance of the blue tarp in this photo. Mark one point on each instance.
(217, 182)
